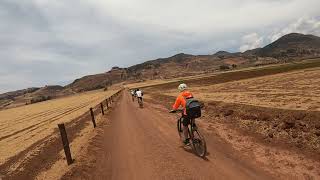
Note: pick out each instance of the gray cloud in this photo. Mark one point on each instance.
(251, 41)
(47, 42)
(304, 25)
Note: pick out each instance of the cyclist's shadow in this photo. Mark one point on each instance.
(190, 150)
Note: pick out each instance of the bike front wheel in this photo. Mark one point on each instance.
(140, 104)
(179, 128)
(198, 143)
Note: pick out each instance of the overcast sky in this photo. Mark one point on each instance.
(55, 41)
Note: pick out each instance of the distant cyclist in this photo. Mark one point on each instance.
(139, 95)
(132, 94)
(181, 101)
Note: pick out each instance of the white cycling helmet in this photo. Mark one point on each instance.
(182, 87)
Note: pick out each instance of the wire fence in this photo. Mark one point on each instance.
(101, 107)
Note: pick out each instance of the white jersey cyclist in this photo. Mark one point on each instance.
(139, 93)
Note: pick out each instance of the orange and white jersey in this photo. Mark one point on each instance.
(180, 101)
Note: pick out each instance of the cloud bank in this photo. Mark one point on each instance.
(49, 42)
(304, 25)
(251, 41)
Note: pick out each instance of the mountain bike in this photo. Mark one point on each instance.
(198, 142)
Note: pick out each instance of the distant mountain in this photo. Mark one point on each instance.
(31, 95)
(11, 95)
(292, 45)
(98, 81)
(289, 47)
(221, 53)
(252, 52)
(162, 68)
(52, 90)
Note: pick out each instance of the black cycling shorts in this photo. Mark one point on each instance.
(185, 120)
(140, 98)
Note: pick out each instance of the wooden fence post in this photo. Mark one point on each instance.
(92, 118)
(65, 143)
(107, 103)
(102, 111)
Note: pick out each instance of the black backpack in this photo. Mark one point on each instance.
(193, 108)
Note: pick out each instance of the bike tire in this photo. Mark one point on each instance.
(179, 129)
(141, 104)
(199, 143)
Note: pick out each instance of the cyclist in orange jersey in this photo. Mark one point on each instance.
(181, 101)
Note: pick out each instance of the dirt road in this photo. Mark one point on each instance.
(143, 144)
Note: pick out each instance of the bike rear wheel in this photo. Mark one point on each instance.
(198, 143)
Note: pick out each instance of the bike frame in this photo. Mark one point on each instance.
(190, 127)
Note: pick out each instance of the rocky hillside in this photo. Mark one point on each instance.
(98, 81)
(182, 65)
(13, 94)
(292, 45)
(32, 95)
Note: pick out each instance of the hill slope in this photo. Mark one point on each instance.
(32, 95)
(98, 81)
(292, 45)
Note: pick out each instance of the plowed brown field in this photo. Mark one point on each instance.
(22, 127)
(299, 90)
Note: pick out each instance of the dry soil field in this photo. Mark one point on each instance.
(272, 115)
(22, 127)
(298, 90)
